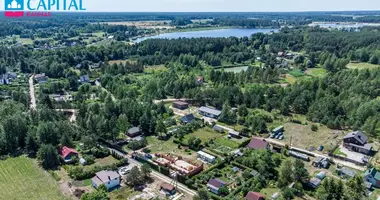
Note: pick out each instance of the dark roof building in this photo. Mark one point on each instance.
(180, 105)
(357, 141)
(254, 196)
(187, 118)
(215, 182)
(321, 162)
(41, 78)
(134, 131)
(257, 143)
(314, 182)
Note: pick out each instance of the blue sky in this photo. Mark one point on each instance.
(224, 5)
(230, 5)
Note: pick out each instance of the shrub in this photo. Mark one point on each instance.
(314, 127)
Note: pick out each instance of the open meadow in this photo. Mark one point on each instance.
(21, 178)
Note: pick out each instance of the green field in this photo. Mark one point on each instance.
(21, 178)
(362, 66)
(317, 72)
(234, 69)
(205, 134)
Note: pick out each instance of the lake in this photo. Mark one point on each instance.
(236, 32)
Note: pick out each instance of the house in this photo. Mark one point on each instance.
(167, 188)
(234, 134)
(41, 78)
(321, 162)
(314, 183)
(215, 184)
(209, 112)
(134, 131)
(68, 154)
(372, 176)
(257, 143)
(180, 105)
(206, 157)
(218, 128)
(187, 118)
(254, 196)
(345, 172)
(84, 79)
(357, 141)
(110, 179)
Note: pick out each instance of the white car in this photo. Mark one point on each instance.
(124, 171)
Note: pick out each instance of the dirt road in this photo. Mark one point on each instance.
(33, 104)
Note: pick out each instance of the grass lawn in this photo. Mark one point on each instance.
(361, 66)
(103, 162)
(223, 141)
(205, 134)
(316, 72)
(160, 146)
(338, 152)
(22, 178)
(123, 193)
(154, 68)
(268, 192)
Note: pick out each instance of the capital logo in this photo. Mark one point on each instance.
(14, 8)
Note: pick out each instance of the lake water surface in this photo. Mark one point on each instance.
(236, 32)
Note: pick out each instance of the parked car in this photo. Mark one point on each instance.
(272, 135)
(281, 137)
(278, 136)
(124, 171)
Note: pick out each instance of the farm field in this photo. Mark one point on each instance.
(362, 66)
(21, 178)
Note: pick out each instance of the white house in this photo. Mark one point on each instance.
(110, 179)
(206, 157)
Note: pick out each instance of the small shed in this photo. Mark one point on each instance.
(134, 131)
(321, 175)
(218, 129)
(314, 183)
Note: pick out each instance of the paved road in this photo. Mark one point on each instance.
(158, 175)
(337, 161)
(33, 104)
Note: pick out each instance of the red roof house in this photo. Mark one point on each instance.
(257, 143)
(254, 196)
(68, 153)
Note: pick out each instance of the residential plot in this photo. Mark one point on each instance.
(21, 178)
(302, 136)
(162, 146)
